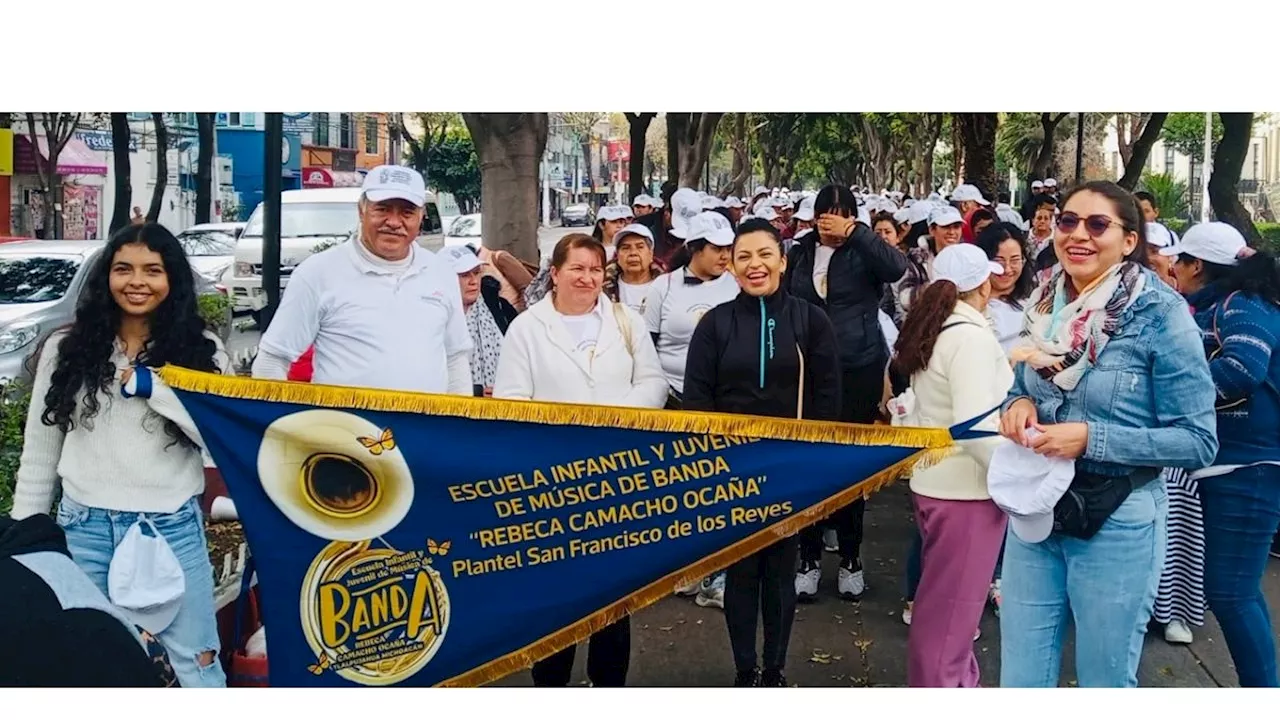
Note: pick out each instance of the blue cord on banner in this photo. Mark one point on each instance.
(242, 600)
(965, 431)
(144, 381)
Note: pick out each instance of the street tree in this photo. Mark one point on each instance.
(510, 147)
(204, 167)
(739, 143)
(1228, 160)
(978, 138)
(435, 127)
(583, 125)
(451, 166)
(58, 129)
(638, 125)
(655, 151)
(781, 137)
(691, 134)
(1170, 194)
(162, 167)
(121, 135)
(1184, 132)
(1139, 150)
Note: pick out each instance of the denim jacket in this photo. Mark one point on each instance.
(1148, 400)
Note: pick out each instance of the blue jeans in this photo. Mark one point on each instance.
(1107, 585)
(92, 537)
(1241, 512)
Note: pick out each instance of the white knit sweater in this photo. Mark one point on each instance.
(125, 461)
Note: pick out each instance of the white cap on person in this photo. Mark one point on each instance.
(1037, 185)
(712, 227)
(634, 229)
(805, 211)
(615, 212)
(767, 213)
(1051, 183)
(461, 258)
(903, 215)
(734, 202)
(944, 215)
(394, 182)
(1159, 236)
(685, 206)
(965, 265)
(1027, 486)
(1212, 242)
(642, 200)
(920, 211)
(781, 202)
(968, 192)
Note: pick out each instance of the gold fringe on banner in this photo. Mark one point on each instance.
(573, 634)
(546, 413)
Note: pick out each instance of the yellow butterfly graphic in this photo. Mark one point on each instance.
(438, 548)
(322, 664)
(377, 445)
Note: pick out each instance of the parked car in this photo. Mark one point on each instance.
(309, 219)
(464, 231)
(575, 215)
(211, 247)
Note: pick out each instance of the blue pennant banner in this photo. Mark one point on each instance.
(422, 540)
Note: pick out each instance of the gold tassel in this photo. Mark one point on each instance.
(546, 413)
(573, 634)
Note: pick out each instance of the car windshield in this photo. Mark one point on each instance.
(576, 209)
(465, 227)
(34, 278)
(207, 243)
(309, 220)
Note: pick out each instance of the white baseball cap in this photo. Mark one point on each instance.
(1027, 486)
(460, 258)
(145, 579)
(805, 211)
(864, 215)
(1159, 236)
(634, 229)
(920, 211)
(395, 182)
(711, 202)
(781, 202)
(965, 265)
(642, 200)
(733, 202)
(968, 192)
(903, 215)
(615, 212)
(656, 203)
(685, 206)
(1051, 183)
(767, 213)
(908, 202)
(712, 227)
(1213, 242)
(760, 190)
(944, 215)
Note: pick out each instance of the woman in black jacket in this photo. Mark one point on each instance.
(747, 357)
(843, 268)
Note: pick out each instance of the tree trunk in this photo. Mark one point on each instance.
(957, 150)
(204, 168)
(978, 134)
(935, 131)
(1141, 151)
(695, 146)
(588, 178)
(639, 123)
(1228, 161)
(741, 170)
(120, 136)
(1049, 126)
(162, 167)
(677, 126)
(509, 147)
(58, 129)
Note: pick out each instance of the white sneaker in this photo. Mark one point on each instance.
(807, 583)
(690, 589)
(830, 541)
(711, 593)
(906, 613)
(1178, 633)
(852, 583)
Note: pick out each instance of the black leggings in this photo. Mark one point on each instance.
(608, 658)
(761, 585)
(860, 393)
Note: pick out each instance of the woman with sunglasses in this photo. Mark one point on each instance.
(1111, 374)
(1235, 295)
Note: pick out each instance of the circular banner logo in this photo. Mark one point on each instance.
(375, 616)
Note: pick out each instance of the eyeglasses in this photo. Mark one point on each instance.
(1010, 263)
(1095, 225)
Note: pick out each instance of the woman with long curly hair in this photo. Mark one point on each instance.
(117, 461)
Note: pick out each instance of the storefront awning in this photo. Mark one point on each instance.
(75, 159)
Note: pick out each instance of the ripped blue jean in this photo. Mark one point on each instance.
(92, 537)
(1106, 586)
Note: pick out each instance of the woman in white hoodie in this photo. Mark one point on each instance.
(576, 346)
(958, 371)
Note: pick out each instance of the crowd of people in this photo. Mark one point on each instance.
(1127, 375)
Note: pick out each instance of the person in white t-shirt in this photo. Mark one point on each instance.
(381, 311)
(629, 276)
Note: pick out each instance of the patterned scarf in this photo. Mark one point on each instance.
(1058, 333)
(486, 343)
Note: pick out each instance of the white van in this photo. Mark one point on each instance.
(309, 219)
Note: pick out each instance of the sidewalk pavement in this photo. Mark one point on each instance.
(836, 643)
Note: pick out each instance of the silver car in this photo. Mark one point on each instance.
(211, 247)
(40, 281)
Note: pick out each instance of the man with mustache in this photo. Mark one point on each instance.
(380, 311)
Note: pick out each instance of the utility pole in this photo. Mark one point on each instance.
(1079, 148)
(1204, 167)
(271, 189)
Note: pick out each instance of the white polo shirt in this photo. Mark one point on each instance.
(375, 327)
(673, 310)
